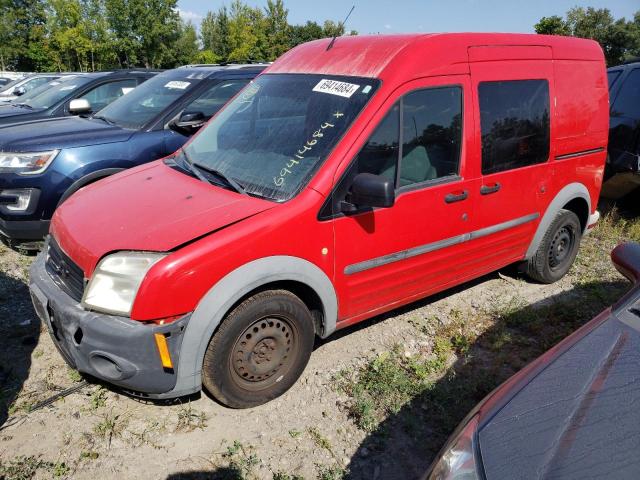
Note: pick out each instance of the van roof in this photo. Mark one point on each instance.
(417, 55)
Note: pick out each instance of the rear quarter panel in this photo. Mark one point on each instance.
(581, 125)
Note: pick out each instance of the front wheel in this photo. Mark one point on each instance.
(260, 350)
(558, 249)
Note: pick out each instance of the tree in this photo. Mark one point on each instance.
(10, 45)
(246, 33)
(278, 29)
(305, 33)
(215, 33)
(186, 46)
(554, 25)
(618, 38)
(29, 17)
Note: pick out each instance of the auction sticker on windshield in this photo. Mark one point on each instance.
(177, 84)
(342, 89)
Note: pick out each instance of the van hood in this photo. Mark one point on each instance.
(577, 418)
(149, 208)
(59, 133)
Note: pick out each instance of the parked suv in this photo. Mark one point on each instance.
(349, 179)
(622, 173)
(43, 163)
(73, 95)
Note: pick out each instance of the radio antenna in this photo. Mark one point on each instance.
(333, 40)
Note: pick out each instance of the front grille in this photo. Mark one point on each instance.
(64, 272)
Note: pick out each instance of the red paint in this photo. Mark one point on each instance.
(156, 208)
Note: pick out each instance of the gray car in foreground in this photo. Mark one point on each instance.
(574, 413)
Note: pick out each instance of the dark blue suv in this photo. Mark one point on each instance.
(60, 98)
(43, 162)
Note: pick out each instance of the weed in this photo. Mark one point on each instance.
(294, 433)
(330, 473)
(98, 398)
(286, 476)
(74, 375)
(111, 426)
(189, 419)
(89, 455)
(25, 468)
(242, 461)
(320, 440)
(38, 353)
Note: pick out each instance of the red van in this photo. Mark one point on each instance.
(347, 180)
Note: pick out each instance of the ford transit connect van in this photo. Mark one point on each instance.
(347, 180)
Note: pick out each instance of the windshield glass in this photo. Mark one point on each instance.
(8, 88)
(42, 88)
(273, 136)
(148, 100)
(53, 95)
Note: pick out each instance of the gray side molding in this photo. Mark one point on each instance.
(564, 196)
(221, 297)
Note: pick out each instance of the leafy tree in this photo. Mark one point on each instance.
(618, 38)
(305, 33)
(215, 33)
(10, 45)
(29, 16)
(186, 46)
(278, 29)
(246, 33)
(554, 25)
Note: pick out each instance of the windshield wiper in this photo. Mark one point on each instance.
(196, 167)
(228, 180)
(23, 105)
(105, 119)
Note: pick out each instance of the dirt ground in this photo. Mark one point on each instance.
(341, 420)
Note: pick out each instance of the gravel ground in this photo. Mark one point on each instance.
(311, 432)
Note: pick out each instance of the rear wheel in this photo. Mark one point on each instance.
(558, 249)
(260, 350)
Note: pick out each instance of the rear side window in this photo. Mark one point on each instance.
(514, 121)
(627, 102)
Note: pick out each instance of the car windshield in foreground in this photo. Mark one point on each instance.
(275, 134)
(50, 96)
(142, 104)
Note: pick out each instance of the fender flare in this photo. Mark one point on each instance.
(564, 196)
(225, 293)
(86, 180)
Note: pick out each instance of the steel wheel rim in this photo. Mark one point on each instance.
(561, 247)
(264, 353)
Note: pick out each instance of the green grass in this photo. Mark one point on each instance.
(25, 468)
(189, 418)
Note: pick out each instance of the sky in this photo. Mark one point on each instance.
(403, 16)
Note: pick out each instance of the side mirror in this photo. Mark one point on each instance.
(19, 91)
(626, 259)
(189, 122)
(79, 105)
(369, 190)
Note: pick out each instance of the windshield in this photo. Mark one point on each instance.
(53, 95)
(42, 88)
(148, 100)
(8, 88)
(279, 129)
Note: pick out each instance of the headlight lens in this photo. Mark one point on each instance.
(26, 163)
(458, 460)
(115, 283)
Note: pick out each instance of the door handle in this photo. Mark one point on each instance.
(456, 197)
(489, 189)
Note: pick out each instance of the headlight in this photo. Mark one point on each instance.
(115, 283)
(26, 163)
(458, 460)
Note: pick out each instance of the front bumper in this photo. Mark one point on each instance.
(19, 231)
(115, 349)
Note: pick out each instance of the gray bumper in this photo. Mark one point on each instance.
(115, 349)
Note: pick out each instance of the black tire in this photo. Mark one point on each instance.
(558, 249)
(260, 350)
